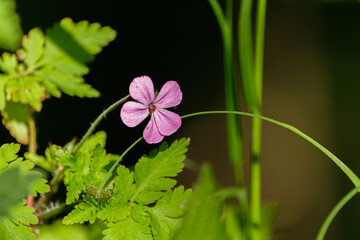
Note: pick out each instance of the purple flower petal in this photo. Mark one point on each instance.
(170, 95)
(133, 113)
(142, 89)
(151, 133)
(166, 121)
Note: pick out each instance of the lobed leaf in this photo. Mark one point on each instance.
(8, 153)
(127, 229)
(82, 212)
(151, 172)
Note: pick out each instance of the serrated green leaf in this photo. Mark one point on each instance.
(151, 172)
(9, 63)
(8, 153)
(124, 185)
(114, 212)
(26, 90)
(69, 83)
(10, 28)
(93, 140)
(127, 229)
(15, 118)
(39, 186)
(10, 231)
(92, 37)
(23, 214)
(33, 45)
(82, 212)
(166, 215)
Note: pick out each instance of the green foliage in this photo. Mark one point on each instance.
(10, 29)
(47, 65)
(202, 220)
(136, 205)
(84, 168)
(20, 181)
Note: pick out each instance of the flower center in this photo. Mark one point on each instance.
(151, 108)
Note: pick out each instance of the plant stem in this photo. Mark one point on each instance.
(234, 133)
(255, 167)
(334, 211)
(351, 175)
(255, 180)
(98, 120)
(108, 175)
(59, 173)
(32, 134)
(32, 150)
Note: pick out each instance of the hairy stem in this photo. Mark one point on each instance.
(59, 173)
(108, 175)
(98, 120)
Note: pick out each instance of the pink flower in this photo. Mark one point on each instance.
(162, 122)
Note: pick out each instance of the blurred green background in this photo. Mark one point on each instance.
(311, 80)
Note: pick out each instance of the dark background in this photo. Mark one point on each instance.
(311, 80)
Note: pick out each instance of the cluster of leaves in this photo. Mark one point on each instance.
(20, 181)
(139, 204)
(47, 65)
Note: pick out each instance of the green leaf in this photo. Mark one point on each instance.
(39, 186)
(114, 212)
(81, 40)
(23, 214)
(165, 216)
(10, 231)
(202, 220)
(93, 140)
(10, 28)
(8, 153)
(69, 83)
(82, 212)
(151, 172)
(33, 45)
(127, 229)
(9, 63)
(17, 186)
(15, 118)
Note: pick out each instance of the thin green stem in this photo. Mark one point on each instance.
(98, 120)
(259, 48)
(351, 175)
(108, 175)
(255, 167)
(255, 180)
(334, 211)
(234, 133)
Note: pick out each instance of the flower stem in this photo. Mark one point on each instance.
(32, 150)
(59, 173)
(334, 211)
(108, 175)
(98, 120)
(351, 175)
